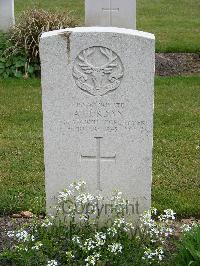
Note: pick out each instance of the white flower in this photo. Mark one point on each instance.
(119, 204)
(21, 248)
(46, 223)
(115, 248)
(168, 215)
(77, 240)
(70, 255)
(85, 198)
(128, 227)
(154, 211)
(187, 227)
(92, 259)
(32, 238)
(151, 255)
(119, 222)
(37, 246)
(100, 238)
(22, 235)
(83, 217)
(11, 234)
(52, 263)
(77, 186)
(157, 230)
(99, 198)
(80, 185)
(90, 244)
(112, 231)
(64, 195)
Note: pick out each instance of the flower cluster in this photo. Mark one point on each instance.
(75, 202)
(86, 242)
(47, 222)
(92, 259)
(123, 224)
(119, 204)
(157, 229)
(153, 255)
(95, 245)
(37, 246)
(21, 235)
(115, 248)
(52, 263)
(160, 229)
(188, 227)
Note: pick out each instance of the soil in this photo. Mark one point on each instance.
(177, 64)
(9, 224)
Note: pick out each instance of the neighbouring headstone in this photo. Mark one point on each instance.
(7, 17)
(115, 13)
(98, 87)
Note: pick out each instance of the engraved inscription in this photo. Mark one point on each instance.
(103, 116)
(98, 158)
(98, 71)
(110, 11)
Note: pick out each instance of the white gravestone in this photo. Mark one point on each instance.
(115, 13)
(98, 87)
(7, 18)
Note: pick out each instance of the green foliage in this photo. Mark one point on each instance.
(17, 66)
(19, 50)
(58, 245)
(188, 253)
(77, 235)
(14, 64)
(3, 42)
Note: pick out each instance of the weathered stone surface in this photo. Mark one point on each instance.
(98, 86)
(7, 18)
(115, 13)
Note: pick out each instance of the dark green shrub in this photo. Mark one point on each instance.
(17, 66)
(3, 42)
(19, 50)
(12, 65)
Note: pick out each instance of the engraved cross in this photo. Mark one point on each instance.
(110, 11)
(99, 158)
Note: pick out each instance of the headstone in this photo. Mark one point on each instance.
(7, 17)
(98, 86)
(115, 13)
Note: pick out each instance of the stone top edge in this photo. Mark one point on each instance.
(99, 29)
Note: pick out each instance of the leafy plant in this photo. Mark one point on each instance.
(19, 50)
(14, 65)
(3, 42)
(77, 235)
(189, 248)
(17, 66)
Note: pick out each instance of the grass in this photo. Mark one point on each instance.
(21, 148)
(176, 175)
(175, 23)
(176, 182)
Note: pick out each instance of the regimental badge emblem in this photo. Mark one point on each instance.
(98, 71)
